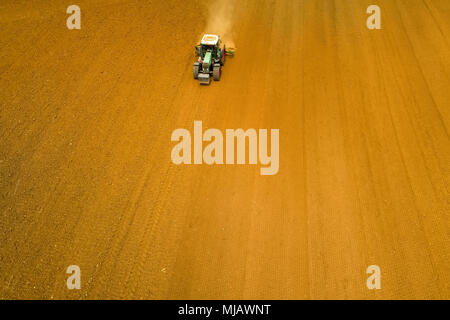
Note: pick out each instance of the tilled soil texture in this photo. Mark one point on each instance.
(86, 176)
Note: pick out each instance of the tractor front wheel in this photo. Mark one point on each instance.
(217, 72)
(195, 71)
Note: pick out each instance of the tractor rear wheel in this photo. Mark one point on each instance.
(216, 72)
(224, 53)
(195, 70)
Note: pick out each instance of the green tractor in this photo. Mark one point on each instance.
(211, 58)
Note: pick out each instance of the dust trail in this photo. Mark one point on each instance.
(220, 20)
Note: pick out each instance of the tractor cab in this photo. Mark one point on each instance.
(203, 49)
(210, 43)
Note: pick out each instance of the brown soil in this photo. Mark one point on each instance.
(86, 176)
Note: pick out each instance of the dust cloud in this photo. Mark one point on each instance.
(220, 20)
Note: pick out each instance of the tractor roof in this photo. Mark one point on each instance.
(210, 39)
